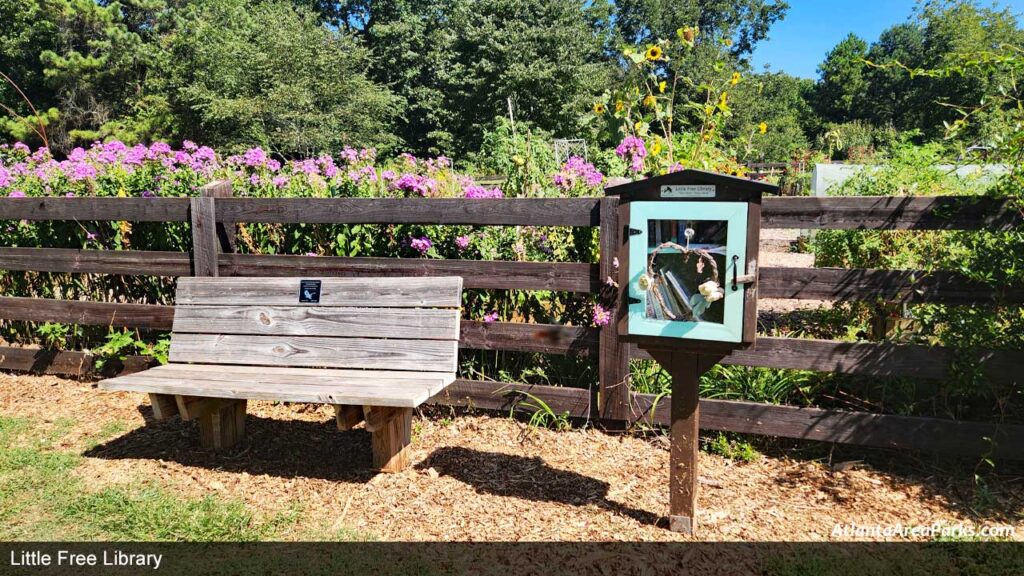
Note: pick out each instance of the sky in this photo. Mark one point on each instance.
(797, 44)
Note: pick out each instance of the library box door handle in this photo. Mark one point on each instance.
(738, 278)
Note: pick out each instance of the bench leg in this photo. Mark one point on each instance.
(391, 434)
(347, 416)
(164, 406)
(222, 425)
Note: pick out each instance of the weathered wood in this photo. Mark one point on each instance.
(164, 406)
(484, 274)
(347, 416)
(309, 351)
(377, 417)
(93, 208)
(354, 292)
(499, 212)
(684, 417)
(391, 441)
(613, 354)
(225, 230)
(907, 286)
(205, 244)
(222, 426)
(191, 407)
(868, 358)
(506, 396)
(891, 212)
(428, 324)
(278, 372)
(126, 262)
(857, 428)
(82, 312)
(41, 361)
(523, 337)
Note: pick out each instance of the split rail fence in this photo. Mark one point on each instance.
(612, 402)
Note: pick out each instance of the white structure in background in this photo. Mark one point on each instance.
(566, 147)
(828, 175)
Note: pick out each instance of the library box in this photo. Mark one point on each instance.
(688, 260)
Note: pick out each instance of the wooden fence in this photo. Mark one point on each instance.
(613, 402)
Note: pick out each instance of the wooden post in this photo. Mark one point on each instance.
(613, 355)
(204, 237)
(223, 425)
(685, 370)
(391, 434)
(226, 232)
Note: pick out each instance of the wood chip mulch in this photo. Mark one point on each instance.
(474, 480)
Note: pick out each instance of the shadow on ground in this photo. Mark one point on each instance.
(285, 448)
(527, 478)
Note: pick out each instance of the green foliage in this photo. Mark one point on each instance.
(520, 152)
(541, 414)
(458, 63)
(269, 74)
(731, 446)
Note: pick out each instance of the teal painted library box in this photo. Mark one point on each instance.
(688, 260)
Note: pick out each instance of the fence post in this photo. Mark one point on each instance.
(209, 238)
(613, 355)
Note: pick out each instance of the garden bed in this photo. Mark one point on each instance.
(77, 463)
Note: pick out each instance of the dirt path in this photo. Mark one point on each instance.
(473, 479)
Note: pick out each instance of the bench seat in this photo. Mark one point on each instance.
(315, 385)
(373, 348)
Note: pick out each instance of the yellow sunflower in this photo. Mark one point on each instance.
(735, 78)
(661, 86)
(620, 105)
(650, 101)
(656, 148)
(653, 53)
(762, 128)
(599, 108)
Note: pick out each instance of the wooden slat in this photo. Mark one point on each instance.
(205, 244)
(868, 358)
(276, 371)
(613, 354)
(426, 323)
(503, 212)
(483, 274)
(37, 361)
(891, 212)
(313, 351)
(81, 312)
(339, 393)
(891, 285)
(127, 262)
(372, 292)
(860, 428)
(272, 377)
(91, 208)
(523, 337)
(505, 396)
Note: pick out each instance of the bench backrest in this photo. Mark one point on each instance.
(366, 323)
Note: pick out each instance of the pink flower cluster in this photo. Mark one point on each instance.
(477, 191)
(577, 170)
(633, 148)
(601, 315)
(415, 184)
(421, 244)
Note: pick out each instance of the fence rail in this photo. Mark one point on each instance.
(613, 402)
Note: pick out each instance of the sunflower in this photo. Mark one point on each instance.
(762, 128)
(650, 101)
(653, 53)
(620, 105)
(656, 148)
(735, 78)
(599, 108)
(661, 86)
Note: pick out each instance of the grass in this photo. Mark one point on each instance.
(41, 498)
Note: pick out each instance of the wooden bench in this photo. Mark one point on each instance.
(374, 348)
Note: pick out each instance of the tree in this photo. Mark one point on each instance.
(781, 102)
(743, 22)
(457, 63)
(269, 74)
(840, 89)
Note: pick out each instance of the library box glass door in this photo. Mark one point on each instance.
(682, 259)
